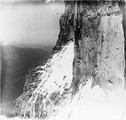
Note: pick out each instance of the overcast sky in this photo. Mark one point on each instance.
(30, 23)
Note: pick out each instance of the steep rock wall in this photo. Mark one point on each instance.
(96, 30)
(99, 44)
(99, 32)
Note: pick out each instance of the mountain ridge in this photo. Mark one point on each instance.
(92, 37)
(25, 58)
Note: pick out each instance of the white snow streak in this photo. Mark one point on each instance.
(58, 72)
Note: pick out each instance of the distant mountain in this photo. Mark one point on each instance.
(15, 62)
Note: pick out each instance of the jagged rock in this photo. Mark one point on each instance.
(100, 45)
(90, 45)
(47, 87)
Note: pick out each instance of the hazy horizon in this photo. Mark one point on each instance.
(29, 24)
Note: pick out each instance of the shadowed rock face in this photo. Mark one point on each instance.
(96, 31)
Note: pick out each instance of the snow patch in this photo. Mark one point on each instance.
(91, 104)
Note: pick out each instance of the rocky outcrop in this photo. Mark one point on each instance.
(99, 50)
(99, 36)
(90, 46)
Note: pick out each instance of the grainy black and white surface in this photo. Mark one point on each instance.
(84, 76)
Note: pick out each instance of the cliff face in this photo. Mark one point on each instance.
(98, 33)
(90, 47)
(99, 45)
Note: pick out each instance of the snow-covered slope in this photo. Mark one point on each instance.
(47, 86)
(90, 104)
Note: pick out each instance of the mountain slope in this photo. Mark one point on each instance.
(15, 64)
(94, 31)
(51, 82)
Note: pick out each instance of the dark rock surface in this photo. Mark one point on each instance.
(99, 52)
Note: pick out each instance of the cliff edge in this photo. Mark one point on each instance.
(90, 47)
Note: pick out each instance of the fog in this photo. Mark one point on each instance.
(30, 24)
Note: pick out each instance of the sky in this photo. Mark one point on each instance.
(30, 23)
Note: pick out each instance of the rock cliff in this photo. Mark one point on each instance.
(90, 46)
